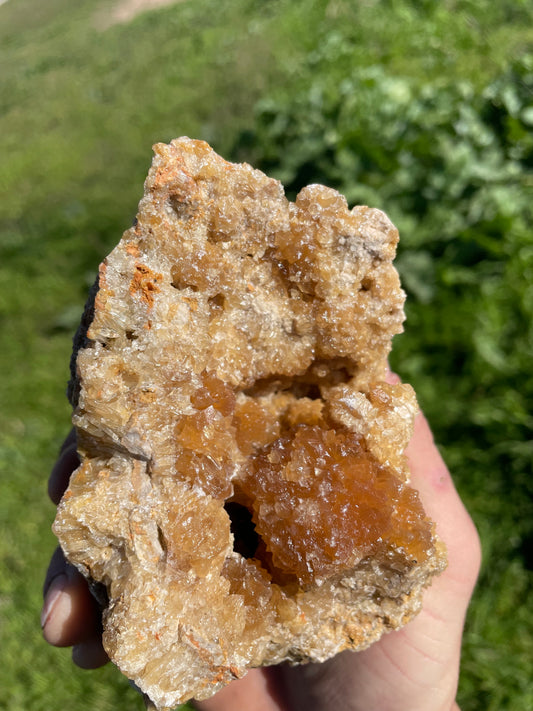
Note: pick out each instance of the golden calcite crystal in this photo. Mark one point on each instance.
(243, 493)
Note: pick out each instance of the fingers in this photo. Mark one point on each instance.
(90, 654)
(70, 614)
(260, 690)
(67, 604)
(68, 461)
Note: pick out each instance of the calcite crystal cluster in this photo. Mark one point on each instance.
(243, 491)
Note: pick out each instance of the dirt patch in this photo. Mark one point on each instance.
(126, 10)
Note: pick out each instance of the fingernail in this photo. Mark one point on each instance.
(57, 586)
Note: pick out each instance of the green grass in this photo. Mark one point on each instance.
(274, 83)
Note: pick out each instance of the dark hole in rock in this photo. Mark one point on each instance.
(245, 538)
(99, 592)
(321, 373)
(303, 389)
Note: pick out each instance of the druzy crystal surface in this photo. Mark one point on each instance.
(243, 493)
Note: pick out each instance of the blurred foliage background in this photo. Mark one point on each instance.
(423, 109)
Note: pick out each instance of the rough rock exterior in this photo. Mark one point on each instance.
(243, 490)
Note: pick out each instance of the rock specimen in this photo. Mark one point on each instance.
(243, 490)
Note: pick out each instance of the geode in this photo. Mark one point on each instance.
(243, 491)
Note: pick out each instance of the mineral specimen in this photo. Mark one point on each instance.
(243, 494)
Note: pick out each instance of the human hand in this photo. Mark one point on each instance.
(414, 669)
(70, 616)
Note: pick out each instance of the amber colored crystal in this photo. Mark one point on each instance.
(214, 393)
(243, 492)
(256, 425)
(322, 503)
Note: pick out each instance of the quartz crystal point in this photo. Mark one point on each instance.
(243, 492)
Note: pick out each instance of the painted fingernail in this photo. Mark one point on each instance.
(57, 586)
